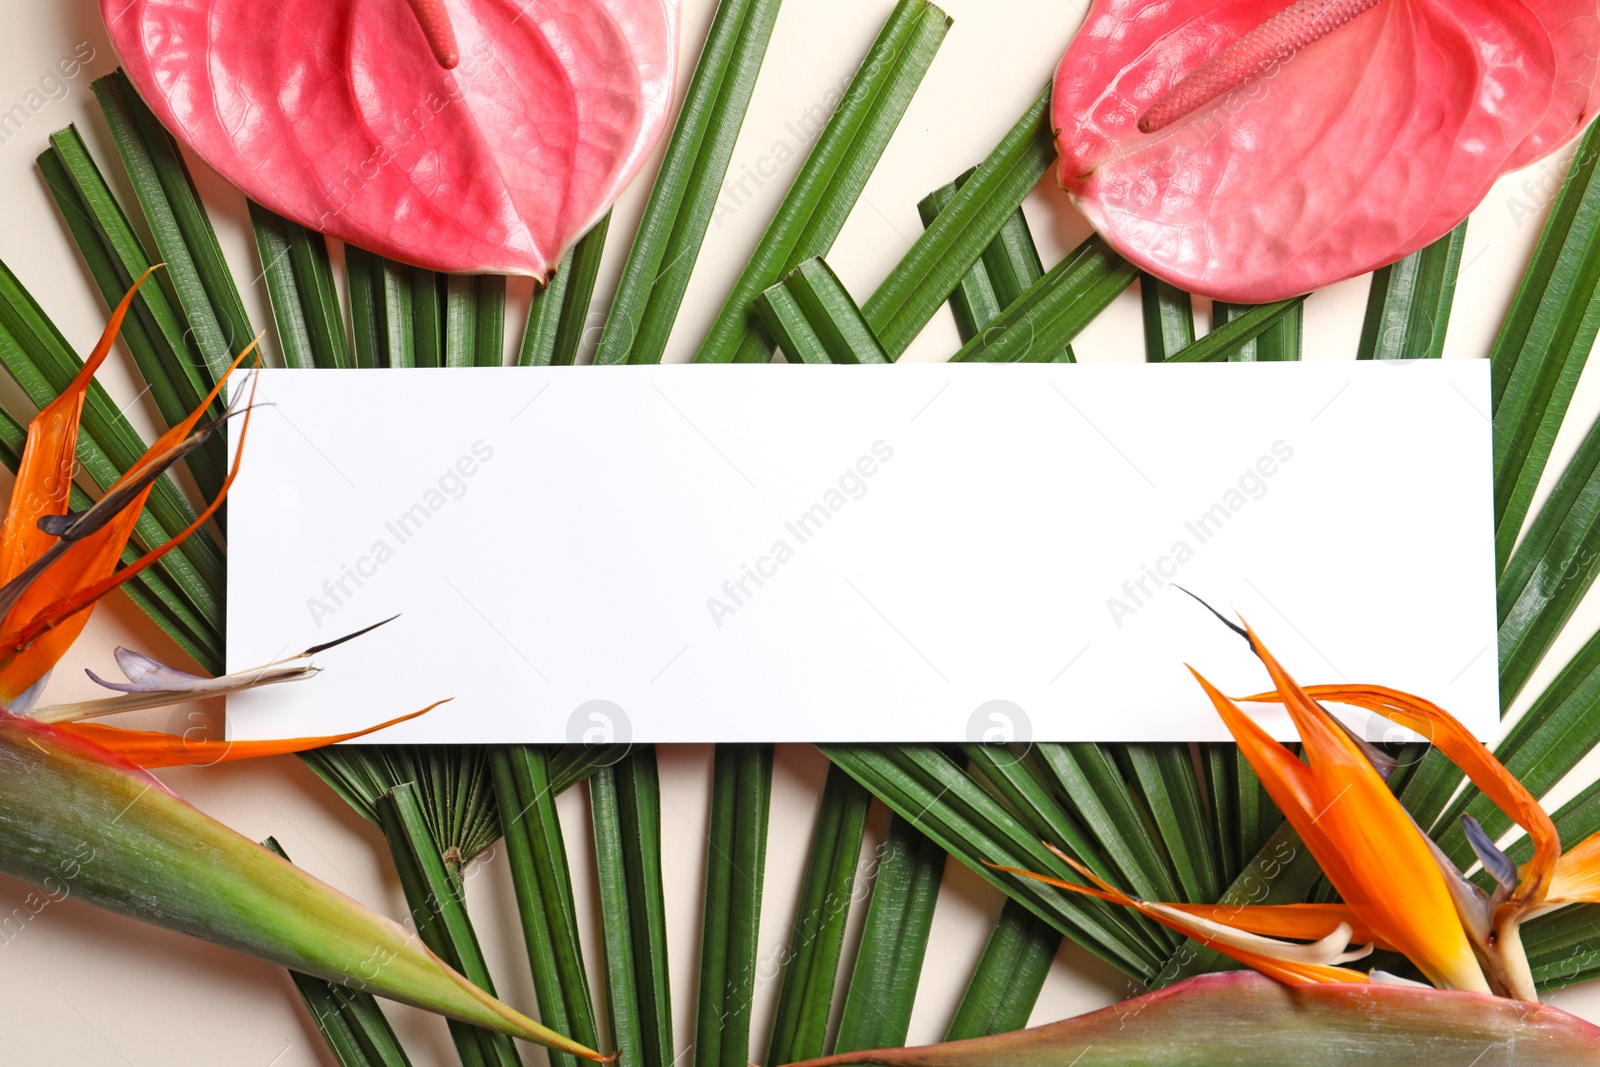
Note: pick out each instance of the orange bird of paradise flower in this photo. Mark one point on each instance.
(54, 567)
(75, 789)
(1399, 892)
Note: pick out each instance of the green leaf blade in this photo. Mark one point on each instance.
(1408, 306)
(894, 941)
(741, 799)
(537, 854)
(684, 194)
(625, 800)
(1009, 976)
(1168, 318)
(1232, 335)
(1544, 342)
(925, 277)
(1039, 325)
(815, 944)
(834, 173)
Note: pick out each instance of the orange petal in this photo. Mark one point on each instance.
(1577, 875)
(150, 748)
(1286, 779)
(51, 613)
(1368, 845)
(1261, 957)
(1480, 765)
(44, 477)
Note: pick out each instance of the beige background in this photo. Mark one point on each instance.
(81, 987)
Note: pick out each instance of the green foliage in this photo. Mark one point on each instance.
(452, 783)
(905, 874)
(1408, 308)
(305, 305)
(834, 173)
(687, 186)
(1170, 822)
(1003, 273)
(815, 944)
(537, 853)
(436, 901)
(1277, 343)
(560, 311)
(1008, 977)
(736, 863)
(1551, 569)
(941, 799)
(965, 227)
(38, 358)
(1544, 342)
(1168, 318)
(1038, 325)
(1234, 333)
(812, 318)
(625, 801)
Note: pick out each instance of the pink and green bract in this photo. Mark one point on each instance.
(488, 141)
(1248, 151)
(1239, 1019)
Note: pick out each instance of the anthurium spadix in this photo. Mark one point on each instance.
(459, 135)
(1252, 150)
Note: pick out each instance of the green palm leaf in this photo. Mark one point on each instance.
(1408, 308)
(559, 315)
(965, 227)
(537, 853)
(835, 171)
(351, 1022)
(736, 861)
(1166, 821)
(1544, 343)
(815, 944)
(625, 799)
(906, 873)
(1278, 343)
(1009, 975)
(685, 190)
(1168, 318)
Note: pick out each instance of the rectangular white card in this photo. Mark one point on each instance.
(897, 553)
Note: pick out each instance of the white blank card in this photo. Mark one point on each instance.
(857, 554)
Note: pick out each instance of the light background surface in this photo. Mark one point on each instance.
(81, 987)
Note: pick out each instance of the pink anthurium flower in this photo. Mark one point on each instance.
(1251, 151)
(459, 135)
